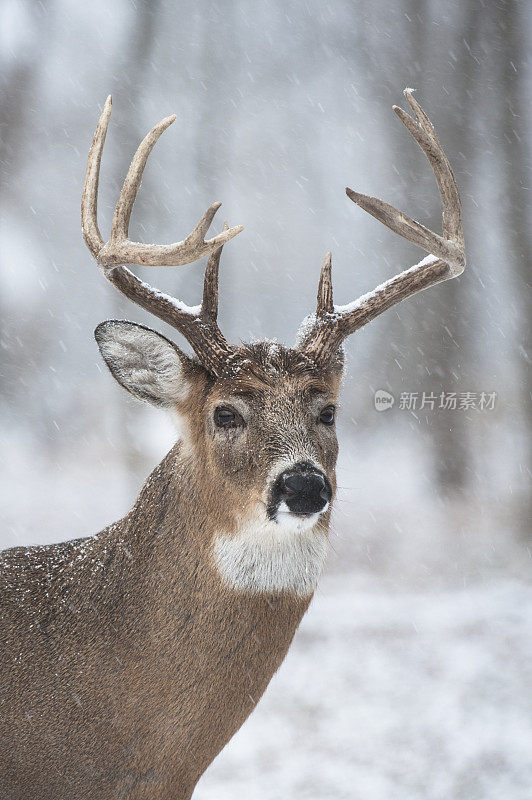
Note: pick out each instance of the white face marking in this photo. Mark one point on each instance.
(285, 464)
(286, 554)
(290, 521)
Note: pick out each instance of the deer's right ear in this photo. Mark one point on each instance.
(145, 363)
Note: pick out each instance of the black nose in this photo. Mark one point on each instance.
(304, 492)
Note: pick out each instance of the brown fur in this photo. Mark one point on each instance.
(126, 664)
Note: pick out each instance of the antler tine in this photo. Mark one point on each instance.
(130, 187)
(409, 229)
(446, 257)
(89, 199)
(325, 290)
(209, 304)
(426, 138)
(190, 249)
(450, 246)
(197, 324)
(119, 250)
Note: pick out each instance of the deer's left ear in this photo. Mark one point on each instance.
(145, 363)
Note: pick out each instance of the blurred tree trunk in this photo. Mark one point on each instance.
(437, 327)
(132, 76)
(216, 76)
(513, 74)
(22, 69)
(433, 356)
(445, 341)
(21, 72)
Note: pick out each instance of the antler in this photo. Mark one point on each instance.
(323, 334)
(198, 324)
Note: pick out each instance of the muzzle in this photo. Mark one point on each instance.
(302, 490)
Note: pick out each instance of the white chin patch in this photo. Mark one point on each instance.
(297, 522)
(264, 555)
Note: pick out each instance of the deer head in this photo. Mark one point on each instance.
(259, 419)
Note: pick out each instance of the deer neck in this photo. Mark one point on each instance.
(186, 557)
(213, 647)
(191, 537)
(186, 541)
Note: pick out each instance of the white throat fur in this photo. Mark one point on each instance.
(264, 555)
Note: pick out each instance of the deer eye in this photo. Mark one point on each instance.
(327, 415)
(227, 417)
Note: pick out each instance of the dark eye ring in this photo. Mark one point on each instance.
(327, 415)
(227, 417)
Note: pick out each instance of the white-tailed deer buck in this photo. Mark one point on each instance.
(130, 658)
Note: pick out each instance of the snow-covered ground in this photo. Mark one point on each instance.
(410, 696)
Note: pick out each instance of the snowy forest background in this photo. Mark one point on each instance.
(410, 676)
